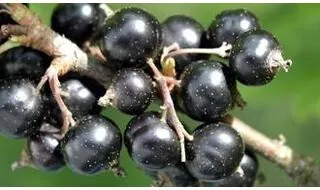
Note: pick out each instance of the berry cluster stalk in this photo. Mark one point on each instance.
(170, 112)
(302, 169)
(67, 57)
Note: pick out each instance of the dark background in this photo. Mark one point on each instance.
(290, 105)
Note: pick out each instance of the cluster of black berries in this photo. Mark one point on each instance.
(204, 89)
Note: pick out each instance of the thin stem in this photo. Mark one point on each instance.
(222, 51)
(107, 10)
(303, 170)
(171, 112)
(270, 149)
(8, 45)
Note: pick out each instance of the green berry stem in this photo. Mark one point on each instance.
(302, 169)
(107, 10)
(8, 45)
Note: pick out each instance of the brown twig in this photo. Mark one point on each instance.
(94, 51)
(303, 170)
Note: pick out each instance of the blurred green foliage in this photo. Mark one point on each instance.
(290, 105)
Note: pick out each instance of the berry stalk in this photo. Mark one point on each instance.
(170, 112)
(222, 51)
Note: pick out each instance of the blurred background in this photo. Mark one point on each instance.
(289, 105)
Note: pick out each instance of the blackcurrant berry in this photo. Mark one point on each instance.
(179, 176)
(79, 98)
(215, 152)
(229, 24)
(44, 148)
(80, 94)
(77, 21)
(206, 90)
(130, 36)
(132, 91)
(185, 31)
(249, 165)
(154, 146)
(256, 57)
(23, 62)
(92, 145)
(173, 176)
(138, 122)
(21, 108)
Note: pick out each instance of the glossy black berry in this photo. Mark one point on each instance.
(207, 90)
(79, 98)
(91, 145)
(80, 94)
(138, 122)
(132, 91)
(256, 58)
(77, 21)
(215, 152)
(130, 36)
(229, 24)
(249, 165)
(154, 146)
(23, 62)
(185, 31)
(177, 176)
(21, 108)
(180, 176)
(44, 148)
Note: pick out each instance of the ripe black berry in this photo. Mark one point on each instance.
(215, 152)
(77, 21)
(44, 148)
(23, 62)
(92, 145)
(138, 122)
(185, 31)
(21, 108)
(132, 91)
(249, 165)
(175, 176)
(154, 146)
(229, 24)
(256, 58)
(206, 90)
(179, 175)
(130, 36)
(78, 97)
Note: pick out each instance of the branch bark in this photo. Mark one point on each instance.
(302, 169)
